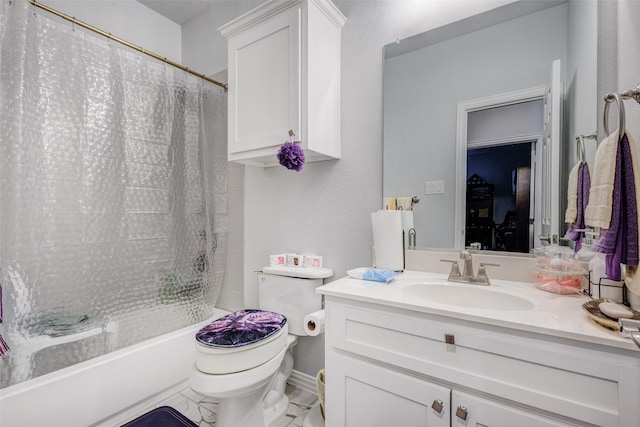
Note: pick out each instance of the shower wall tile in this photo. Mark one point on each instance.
(236, 240)
(236, 201)
(235, 262)
(230, 300)
(236, 175)
(236, 219)
(231, 294)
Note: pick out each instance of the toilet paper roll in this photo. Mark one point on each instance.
(314, 323)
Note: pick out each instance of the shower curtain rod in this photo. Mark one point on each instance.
(126, 43)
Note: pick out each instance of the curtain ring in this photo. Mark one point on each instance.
(609, 98)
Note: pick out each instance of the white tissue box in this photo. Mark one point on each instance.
(311, 261)
(277, 259)
(293, 260)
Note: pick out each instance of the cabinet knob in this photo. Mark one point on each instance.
(437, 405)
(462, 413)
(450, 339)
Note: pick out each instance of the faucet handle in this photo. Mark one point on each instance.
(455, 269)
(482, 264)
(482, 278)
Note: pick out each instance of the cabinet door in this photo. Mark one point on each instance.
(264, 83)
(370, 395)
(468, 411)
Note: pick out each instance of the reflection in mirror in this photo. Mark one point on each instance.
(505, 50)
(503, 144)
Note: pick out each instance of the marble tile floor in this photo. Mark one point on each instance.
(202, 410)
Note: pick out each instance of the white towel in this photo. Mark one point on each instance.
(405, 203)
(389, 203)
(572, 196)
(598, 212)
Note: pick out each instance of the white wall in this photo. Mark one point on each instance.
(629, 61)
(128, 20)
(581, 77)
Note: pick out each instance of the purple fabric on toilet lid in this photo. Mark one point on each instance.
(241, 328)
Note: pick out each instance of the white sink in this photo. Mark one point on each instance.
(472, 297)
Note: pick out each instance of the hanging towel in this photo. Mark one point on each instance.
(632, 278)
(405, 203)
(620, 241)
(598, 213)
(389, 203)
(4, 347)
(583, 185)
(572, 195)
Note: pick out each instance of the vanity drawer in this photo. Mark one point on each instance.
(575, 382)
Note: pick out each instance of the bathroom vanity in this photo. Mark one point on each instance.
(421, 351)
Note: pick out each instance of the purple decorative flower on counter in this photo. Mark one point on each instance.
(291, 156)
(241, 328)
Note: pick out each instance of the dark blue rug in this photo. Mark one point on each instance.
(164, 416)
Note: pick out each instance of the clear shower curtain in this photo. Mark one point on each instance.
(112, 195)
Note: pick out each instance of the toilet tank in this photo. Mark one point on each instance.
(282, 290)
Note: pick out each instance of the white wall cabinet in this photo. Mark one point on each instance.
(387, 366)
(284, 73)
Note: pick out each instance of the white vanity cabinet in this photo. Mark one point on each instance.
(284, 73)
(392, 366)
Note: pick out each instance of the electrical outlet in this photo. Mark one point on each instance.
(434, 187)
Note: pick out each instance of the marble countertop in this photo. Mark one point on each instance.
(552, 314)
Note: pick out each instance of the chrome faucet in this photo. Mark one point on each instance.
(467, 275)
(467, 268)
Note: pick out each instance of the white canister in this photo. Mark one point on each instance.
(601, 286)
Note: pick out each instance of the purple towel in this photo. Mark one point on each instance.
(620, 242)
(584, 185)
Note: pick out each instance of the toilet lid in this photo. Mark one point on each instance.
(241, 328)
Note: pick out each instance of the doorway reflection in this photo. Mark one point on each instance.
(499, 197)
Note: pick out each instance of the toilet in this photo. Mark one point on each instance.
(244, 359)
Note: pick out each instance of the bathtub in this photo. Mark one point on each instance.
(107, 390)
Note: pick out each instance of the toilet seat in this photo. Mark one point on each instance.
(240, 341)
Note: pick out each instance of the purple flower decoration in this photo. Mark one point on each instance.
(291, 156)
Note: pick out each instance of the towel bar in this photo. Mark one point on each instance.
(619, 97)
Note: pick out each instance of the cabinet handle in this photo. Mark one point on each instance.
(462, 413)
(437, 405)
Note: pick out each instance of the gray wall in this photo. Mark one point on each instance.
(628, 68)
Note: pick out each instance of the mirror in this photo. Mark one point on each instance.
(507, 50)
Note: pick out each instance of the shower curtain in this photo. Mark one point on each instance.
(112, 195)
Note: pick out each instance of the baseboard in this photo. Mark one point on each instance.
(303, 381)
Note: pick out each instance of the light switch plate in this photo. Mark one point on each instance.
(434, 187)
